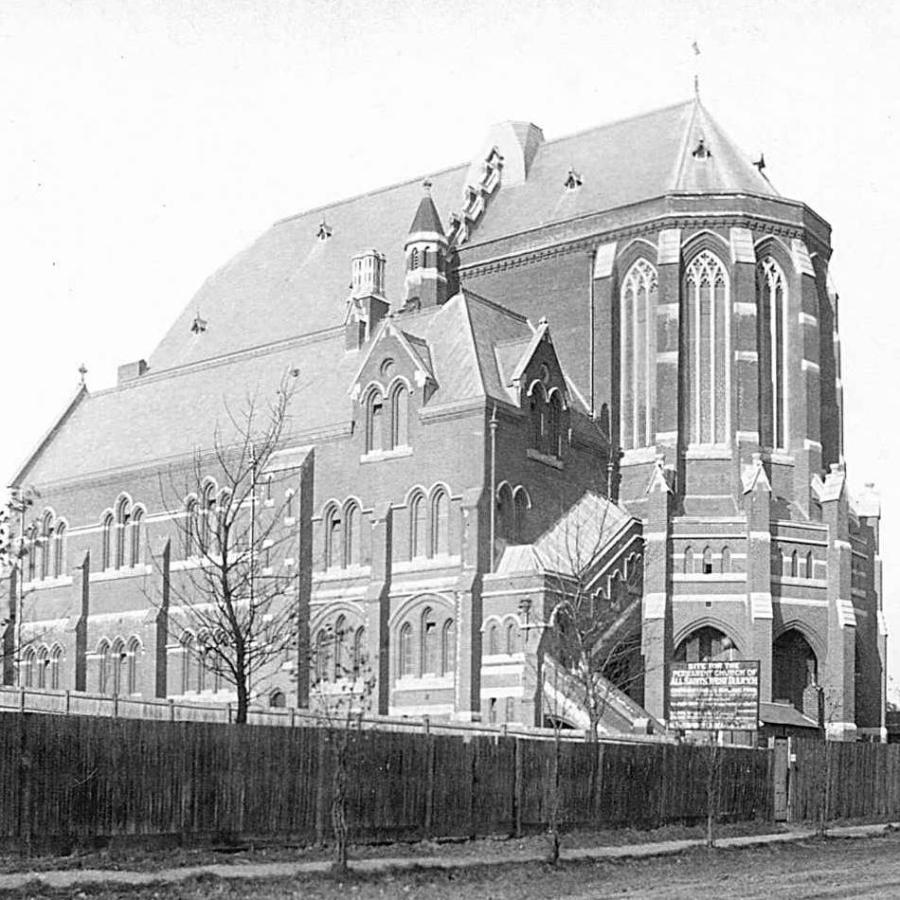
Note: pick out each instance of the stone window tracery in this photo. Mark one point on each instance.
(772, 324)
(637, 305)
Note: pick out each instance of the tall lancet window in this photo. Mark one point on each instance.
(706, 307)
(771, 288)
(638, 301)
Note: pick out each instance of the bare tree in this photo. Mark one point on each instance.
(232, 606)
(342, 693)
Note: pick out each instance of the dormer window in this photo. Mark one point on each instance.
(573, 180)
(701, 151)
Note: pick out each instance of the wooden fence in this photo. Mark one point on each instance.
(80, 781)
(846, 780)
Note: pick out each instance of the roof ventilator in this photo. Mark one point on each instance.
(701, 151)
(324, 231)
(573, 180)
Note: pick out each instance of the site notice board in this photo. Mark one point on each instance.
(715, 695)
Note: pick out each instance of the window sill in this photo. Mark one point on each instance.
(379, 455)
(711, 451)
(553, 461)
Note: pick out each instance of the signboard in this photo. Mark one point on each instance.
(713, 695)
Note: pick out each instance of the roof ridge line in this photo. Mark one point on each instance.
(493, 304)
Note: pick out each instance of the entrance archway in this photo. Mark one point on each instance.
(704, 644)
(794, 667)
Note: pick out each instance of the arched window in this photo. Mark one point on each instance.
(440, 524)
(810, 571)
(400, 416)
(106, 534)
(43, 664)
(119, 664)
(430, 661)
(207, 519)
(323, 655)
(726, 559)
(505, 514)
(351, 535)
(134, 650)
(414, 258)
(290, 500)
(688, 561)
(333, 535)
(636, 327)
(511, 638)
(123, 516)
(707, 561)
(46, 542)
(537, 408)
(406, 650)
(28, 667)
(340, 648)
(418, 527)
(59, 549)
(359, 651)
(374, 421)
(708, 330)
(520, 513)
(55, 661)
(137, 521)
(190, 531)
(188, 659)
(277, 700)
(794, 565)
(554, 425)
(493, 642)
(448, 647)
(706, 643)
(104, 676)
(772, 324)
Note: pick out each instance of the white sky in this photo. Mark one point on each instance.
(144, 143)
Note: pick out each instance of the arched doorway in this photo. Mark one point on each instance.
(794, 667)
(704, 644)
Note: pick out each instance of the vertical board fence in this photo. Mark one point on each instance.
(82, 781)
(846, 780)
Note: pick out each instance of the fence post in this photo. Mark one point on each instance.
(115, 706)
(171, 710)
(22, 699)
(426, 724)
(68, 702)
(518, 785)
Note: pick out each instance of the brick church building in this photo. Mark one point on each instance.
(626, 334)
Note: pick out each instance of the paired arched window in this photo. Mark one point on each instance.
(448, 647)
(688, 560)
(137, 523)
(59, 549)
(123, 517)
(28, 660)
(43, 666)
(339, 650)
(772, 323)
(726, 559)
(104, 676)
(191, 527)
(636, 330)
(207, 523)
(512, 638)
(406, 650)
(334, 547)
(358, 659)
(56, 656)
(430, 662)
(342, 535)
(351, 535)
(45, 540)
(707, 353)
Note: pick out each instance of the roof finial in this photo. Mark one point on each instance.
(82, 371)
(696, 48)
(426, 186)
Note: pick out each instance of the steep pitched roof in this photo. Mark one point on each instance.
(293, 282)
(426, 218)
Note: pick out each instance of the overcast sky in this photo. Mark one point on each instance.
(144, 143)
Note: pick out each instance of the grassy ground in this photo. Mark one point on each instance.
(832, 868)
(134, 859)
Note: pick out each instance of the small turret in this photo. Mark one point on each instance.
(367, 305)
(426, 257)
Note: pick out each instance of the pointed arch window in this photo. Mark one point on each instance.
(688, 561)
(637, 304)
(359, 651)
(123, 516)
(374, 421)
(137, 522)
(726, 559)
(119, 667)
(28, 658)
(520, 513)
(493, 639)
(338, 657)
(46, 543)
(400, 416)
(406, 650)
(418, 526)
(351, 535)
(772, 322)
(794, 564)
(104, 678)
(440, 524)
(511, 638)
(43, 665)
(189, 532)
(448, 647)
(207, 519)
(707, 561)
(323, 655)
(505, 515)
(333, 538)
(430, 660)
(106, 532)
(134, 650)
(537, 409)
(810, 573)
(59, 549)
(707, 354)
(55, 660)
(554, 425)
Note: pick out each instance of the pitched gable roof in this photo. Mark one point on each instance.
(291, 282)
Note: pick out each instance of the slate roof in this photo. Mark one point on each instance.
(784, 714)
(571, 543)
(426, 218)
(168, 415)
(290, 282)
